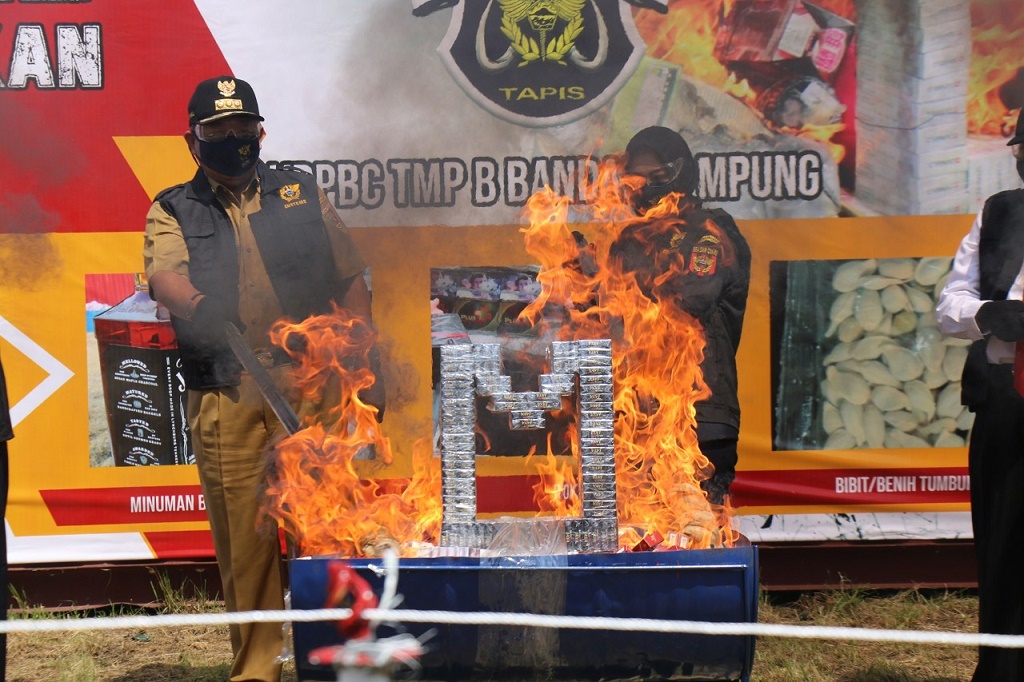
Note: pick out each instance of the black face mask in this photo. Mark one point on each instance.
(1020, 168)
(647, 197)
(232, 157)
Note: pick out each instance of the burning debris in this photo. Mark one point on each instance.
(315, 489)
(609, 286)
(637, 481)
(318, 491)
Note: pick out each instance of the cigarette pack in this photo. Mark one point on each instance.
(898, 162)
(949, 61)
(915, 189)
(887, 15)
(952, 205)
(898, 113)
(753, 30)
(761, 32)
(941, 132)
(883, 82)
(937, 37)
(648, 542)
(908, 195)
(797, 34)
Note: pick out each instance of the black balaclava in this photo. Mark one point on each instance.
(668, 146)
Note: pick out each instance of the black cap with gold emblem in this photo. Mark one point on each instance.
(219, 97)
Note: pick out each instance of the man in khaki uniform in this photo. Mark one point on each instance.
(243, 243)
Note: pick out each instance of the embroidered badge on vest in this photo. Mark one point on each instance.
(704, 260)
(674, 244)
(291, 194)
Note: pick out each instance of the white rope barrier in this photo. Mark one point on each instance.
(519, 619)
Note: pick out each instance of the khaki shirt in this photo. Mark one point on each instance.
(258, 307)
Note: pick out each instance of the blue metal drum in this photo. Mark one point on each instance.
(715, 585)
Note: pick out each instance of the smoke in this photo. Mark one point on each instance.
(22, 214)
(35, 152)
(415, 108)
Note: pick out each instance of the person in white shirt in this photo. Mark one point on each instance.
(982, 302)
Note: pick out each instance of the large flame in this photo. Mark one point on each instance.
(314, 490)
(997, 32)
(657, 350)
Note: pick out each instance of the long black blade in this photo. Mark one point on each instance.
(265, 384)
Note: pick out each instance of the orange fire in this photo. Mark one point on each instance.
(686, 37)
(557, 491)
(657, 349)
(997, 29)
(313, 489)
(317, 494)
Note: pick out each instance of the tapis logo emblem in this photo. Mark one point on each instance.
(541, 62)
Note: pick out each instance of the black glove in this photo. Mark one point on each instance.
(210, 314)
(1003, 319)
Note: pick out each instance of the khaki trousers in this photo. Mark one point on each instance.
(231, 428)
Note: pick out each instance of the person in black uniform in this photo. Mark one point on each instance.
(710, 262)
(981, 301)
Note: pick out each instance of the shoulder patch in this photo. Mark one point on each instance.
(704, 260)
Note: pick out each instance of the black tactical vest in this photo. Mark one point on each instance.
(1000, 255)
(289, 232)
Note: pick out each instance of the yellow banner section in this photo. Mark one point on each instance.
(45, 315)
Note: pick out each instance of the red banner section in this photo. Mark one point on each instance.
(933, 485)
(514, 494)
(505, 494)
(131, 73)
(180, 544)
(127, 506)
(168, 504)
(852, 486)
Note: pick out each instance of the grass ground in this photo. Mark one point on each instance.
(196, 654)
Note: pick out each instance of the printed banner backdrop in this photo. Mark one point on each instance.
(852, 141)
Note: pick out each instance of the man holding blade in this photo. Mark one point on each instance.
(246, 244)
